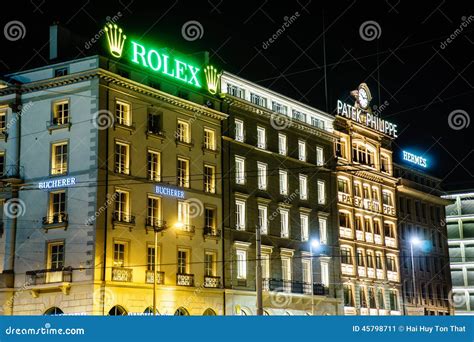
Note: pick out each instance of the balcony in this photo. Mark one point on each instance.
(185, 228)
(288, 286)
(212, 282)
(58, 123)
(183, 279)
(211, 232)
(378, 239)
(184, 142)
(361, 271)
(375, 205)
(360, 235)
(121, 218)
(388, 210)
(392, 275)
(380, 274)
(160, 277)
(370, 272)
(129, 126)
(344, 198)
(206, 147)
(367, 204)
(390, 242)
(48, 276)
(155, 224)
(369, 237)
(12, 174)
(122, 274)
(347, 269)
(156, 132)
(345, 232)
(58, 220)
(358, 201)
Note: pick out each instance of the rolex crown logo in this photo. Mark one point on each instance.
(212, 78)
(115, 38)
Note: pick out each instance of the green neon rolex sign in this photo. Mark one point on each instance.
(160, 62)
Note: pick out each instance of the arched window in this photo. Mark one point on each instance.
(209, 312)
(53, 311)
(117, 310)
(181, 312)
(149, 311)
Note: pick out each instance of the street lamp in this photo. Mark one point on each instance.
(157, 229)
(313, 244)
(414, 241)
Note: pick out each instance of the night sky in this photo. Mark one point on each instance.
(403, 55)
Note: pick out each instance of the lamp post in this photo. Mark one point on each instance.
(313, 243)
(414, 241)
(156, 229)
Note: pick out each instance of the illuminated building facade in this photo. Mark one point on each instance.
(460, 226)
(422, 235)
(98, 155)
(277, 160)
(368, 237)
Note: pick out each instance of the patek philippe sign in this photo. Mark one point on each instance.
(169, 191)
(360, 112)
(57, 183)
(415, 159)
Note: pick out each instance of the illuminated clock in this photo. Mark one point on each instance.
(363, 98)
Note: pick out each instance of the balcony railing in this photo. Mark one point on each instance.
(47, 276)
(211, 232)
(121, 217)
(212, 281)
(122, 274)
(183, 279)
(155, 223)
(390, 242)
(187, 142)
(186, 228)
(59, 218)
(12, 172)
(156, 131)
(160, 277)
(280, 285)
(345, 232)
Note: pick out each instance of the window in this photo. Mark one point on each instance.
(387, 198)
(150, 258)
(346, 255)
(370, 259)
(240, 215)
(299, 116)
(358, 222)
(357, 190)
(239, 130)
(360, 258)
(263, 219)
(341, 149)
(183, 133)
(303, 187)
(154, 123)
(380, 299)
(210, 266)
(183, 262)
(235, 91)
(286, 269)
(284, 223)
(279, 108)
(61, 113)
(348, 295)
(262, 175)
(319, 156)
(283, 176)
(55, 256)
(241, 257)
(210, 220)
(344, 220)
(122, 113)
(363, 154)
(306, 268)
(378, 261)
(265, 261)
(391, 263)
(363, 297)
(122, 206)
(209, 139)
(317, 123)
(261, 138)
(154, 211)
(122, 158)
(388, 230)
(368, 225)
(372, 303)
(377, 227)
(183, 173)
(119, 254)
(258, 100)
(282, 144)
(323, 231)
(304, 219)
(343, 185)
(321, 192)
(2, 163)
(393, 300)
(384, 163)
(324, 273)
(3, 121)
(154, 165)
(301, 150)
(239, 170)
(209, 179)
(59, 158)
(184, 217)
(57, 207)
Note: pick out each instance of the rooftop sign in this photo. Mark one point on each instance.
(414, 159)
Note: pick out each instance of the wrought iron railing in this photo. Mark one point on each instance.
(121, 217)
(160, 277)
(57, 218)
(47, 276)
(183, 279)
(122, 274)
(212, 281)
(211, 231)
